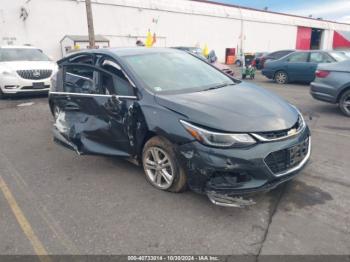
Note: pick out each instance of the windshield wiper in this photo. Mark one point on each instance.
(218, 86)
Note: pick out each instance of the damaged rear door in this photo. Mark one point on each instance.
(94, 109)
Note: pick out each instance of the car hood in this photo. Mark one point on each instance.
(240, 108)
(26, 65)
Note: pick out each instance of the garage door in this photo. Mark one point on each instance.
(303, 38)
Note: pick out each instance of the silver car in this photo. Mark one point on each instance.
(332, 85)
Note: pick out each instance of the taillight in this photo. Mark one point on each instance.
(322, 73)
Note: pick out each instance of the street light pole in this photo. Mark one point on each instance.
(90, 23)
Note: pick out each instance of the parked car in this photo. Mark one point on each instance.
(212, 58)
(182, 119)
(24, 69)
(332, 85)
(346, 52)
(256, 62)
(274, 56)
(299, 65)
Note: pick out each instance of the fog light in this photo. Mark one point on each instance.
(11, 87)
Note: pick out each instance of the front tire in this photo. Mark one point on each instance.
(2, 95)
(344, 103)
(281, 77)
(162, 169)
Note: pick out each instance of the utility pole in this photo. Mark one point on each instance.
(90, 23)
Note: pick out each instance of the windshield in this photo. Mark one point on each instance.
(176, 72)
(22, 54)
(339, 56)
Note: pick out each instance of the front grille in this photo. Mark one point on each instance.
(282, 133)
(35, 74)
(283, 160)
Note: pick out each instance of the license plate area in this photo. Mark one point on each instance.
(286, 159)
(39, 85)
(297, 153)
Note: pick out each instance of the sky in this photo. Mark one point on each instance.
(336, 10)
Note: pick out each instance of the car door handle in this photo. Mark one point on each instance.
(71, 107)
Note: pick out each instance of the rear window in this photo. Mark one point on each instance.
(22, 54)
(339, 56)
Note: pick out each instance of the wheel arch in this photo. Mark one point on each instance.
(343, 90)
(280, 70)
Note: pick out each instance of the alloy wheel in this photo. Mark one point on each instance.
(158, 167)
(281, 78)
(346, 104)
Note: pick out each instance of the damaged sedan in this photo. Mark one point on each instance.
(186, 122)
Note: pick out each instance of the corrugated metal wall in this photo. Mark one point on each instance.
(179, 22)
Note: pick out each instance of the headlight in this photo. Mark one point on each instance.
(7, 72)
(301, 121)
(218, 139)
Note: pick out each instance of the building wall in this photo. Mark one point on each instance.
(180, 22)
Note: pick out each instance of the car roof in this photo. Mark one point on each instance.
(18, 46)
(317, 50)
(187, 47)
(123, 51)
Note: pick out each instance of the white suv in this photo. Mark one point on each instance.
(24, 69)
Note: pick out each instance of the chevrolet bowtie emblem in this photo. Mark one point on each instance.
(292, 132)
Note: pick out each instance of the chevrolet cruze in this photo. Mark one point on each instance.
(184, 121)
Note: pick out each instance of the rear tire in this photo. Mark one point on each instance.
(281, 77)
(344, 103)
(161, 167)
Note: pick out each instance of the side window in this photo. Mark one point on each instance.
(318, 57)
(80, 79)
(122, 86)
(83, 59)
(298, 57)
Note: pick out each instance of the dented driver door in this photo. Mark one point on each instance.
(92, 115)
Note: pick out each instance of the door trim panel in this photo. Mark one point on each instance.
(91, 95)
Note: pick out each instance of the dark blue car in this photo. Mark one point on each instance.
(299, 66)
(180, 118)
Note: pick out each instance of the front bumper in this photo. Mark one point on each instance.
(268, 73)
(238, 171)
(12, 85)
